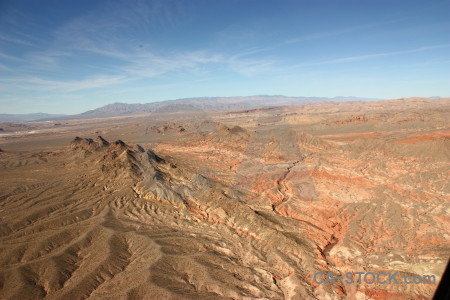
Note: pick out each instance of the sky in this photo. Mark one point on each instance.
(71, 56)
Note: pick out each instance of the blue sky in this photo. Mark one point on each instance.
(71, 56)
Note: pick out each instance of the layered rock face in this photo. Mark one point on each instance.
(247, 205)
(370, 188)
(118, 221)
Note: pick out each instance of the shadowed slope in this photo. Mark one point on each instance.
(115, 221)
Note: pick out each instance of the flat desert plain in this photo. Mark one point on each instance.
(227, 205)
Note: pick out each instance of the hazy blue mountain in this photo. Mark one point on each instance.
(28, 117)
(207, 104)
(182, 105)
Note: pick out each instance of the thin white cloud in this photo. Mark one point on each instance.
(369, 56)
(147, 64)
(45, 85)
(143, 63)
(108, 35)
(15, 40)
(337, 32)
(245, 63)
(250, 52)
(11, 57)
(45, 60)
(253, 68)
(4, 67)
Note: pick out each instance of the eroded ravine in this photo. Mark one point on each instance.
(177, 234)
(282, 188)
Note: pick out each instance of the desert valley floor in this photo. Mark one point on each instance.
(227, 205)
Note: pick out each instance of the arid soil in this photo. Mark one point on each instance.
(228, 205)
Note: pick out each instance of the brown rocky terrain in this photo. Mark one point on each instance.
(229, 205)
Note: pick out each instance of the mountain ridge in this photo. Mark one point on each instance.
(213, 103)
(181, 105)
(28, 117)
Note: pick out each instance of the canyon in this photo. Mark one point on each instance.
(231, 204)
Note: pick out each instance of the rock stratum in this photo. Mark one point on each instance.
(244, 205)
(128, 215)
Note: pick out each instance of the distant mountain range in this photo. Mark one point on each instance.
(181, 105)
(207, 104)
(28, 117)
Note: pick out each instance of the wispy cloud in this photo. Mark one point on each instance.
(369, 56)
(336, 32)
(108, 41)
(66, 86)
(11, 57)
(46, 60)
(40, 61)
(146, 63)
(4, 67)
(425, 82)
(15, 40)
